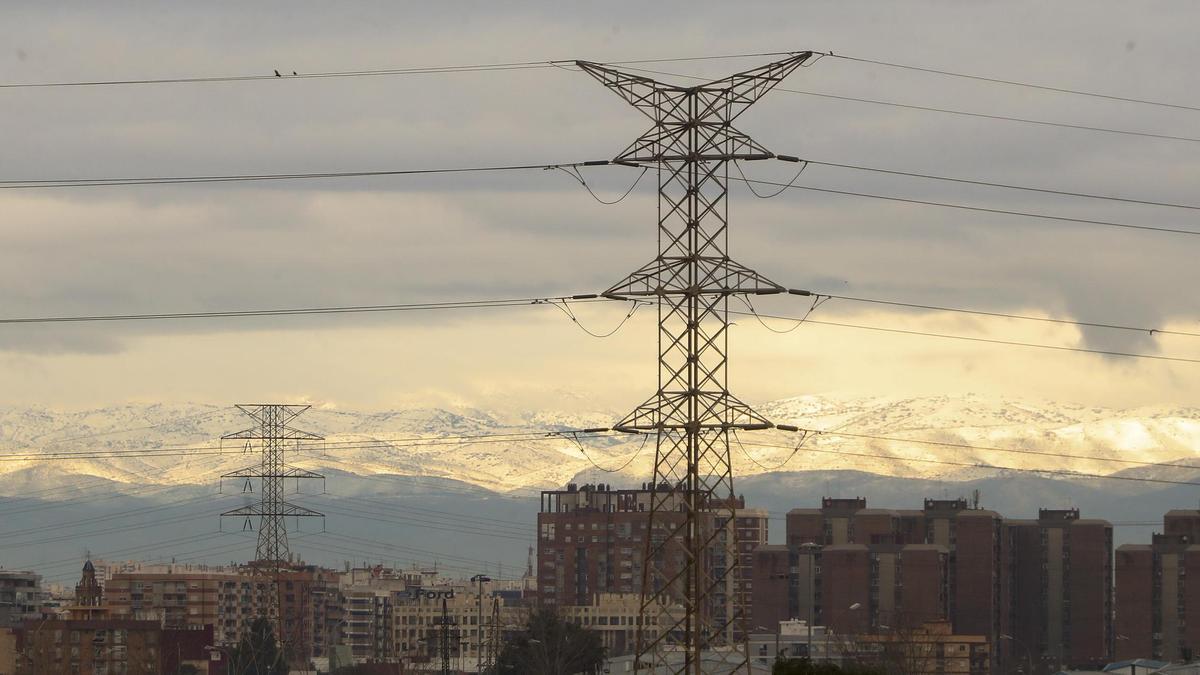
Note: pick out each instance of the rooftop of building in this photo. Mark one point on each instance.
(772, 548)
(978, 513)
(1140, 663)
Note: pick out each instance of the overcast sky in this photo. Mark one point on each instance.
(474, 236)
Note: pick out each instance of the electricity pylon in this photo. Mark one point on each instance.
(272, 555)
(690, 573)
(493, 641)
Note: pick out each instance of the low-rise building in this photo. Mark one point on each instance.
(931, 649)
(793, 640)
(89, 646)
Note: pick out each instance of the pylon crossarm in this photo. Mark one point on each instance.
(639, 91)
(286, 509)
(746, 87)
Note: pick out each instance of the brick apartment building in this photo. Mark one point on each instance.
(1061, 582)
(1045, 585)
(592, 539)
(1158, 610)
(54, 647)
(229, 599)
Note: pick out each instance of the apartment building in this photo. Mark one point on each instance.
(1039, 590)
(592, 541)
(1157, 609)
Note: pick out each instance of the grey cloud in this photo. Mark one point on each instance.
(384, 240)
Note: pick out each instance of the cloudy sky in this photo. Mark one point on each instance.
(476, 236)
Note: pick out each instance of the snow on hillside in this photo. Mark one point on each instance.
(406, 442)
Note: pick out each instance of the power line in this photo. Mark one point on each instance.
(412, 442)
(808, 433)
(1015, 83)
(353, 513)
(22, 184)
(970, 208)
(1004, 315)
(298, 311)
(377, 72)
(947, 336)
(1006, 186)
(522, 302)
(951, 111)
(966, 207)
(975, 465)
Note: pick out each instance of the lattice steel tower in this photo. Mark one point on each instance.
(274, 435)
(690, 572)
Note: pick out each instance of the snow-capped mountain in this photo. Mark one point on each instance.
(181, 443)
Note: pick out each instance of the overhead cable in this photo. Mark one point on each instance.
(297, 311)
(968, 338)
(1015, 83)
(26, 184)
(978, 209)
(951, 111)
(1006, 186)
(276, 75)
(1066, 473)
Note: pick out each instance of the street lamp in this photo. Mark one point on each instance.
(481, 579)
(811, 548)
(1028, 654)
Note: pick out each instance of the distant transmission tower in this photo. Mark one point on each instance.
(690, 572)
(273, 434)
(493, 640)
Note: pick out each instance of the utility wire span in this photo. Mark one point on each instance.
(21, 184)
(978, 465)
(1004, 315)
(951, 111)
(968, 338)
(1015, 83)
(1006, 186)
(298, 311)
(191, 451)
(967, 207)
(557, 300)
(377, 72)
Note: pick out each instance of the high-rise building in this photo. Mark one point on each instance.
(1061, 590)
(592, 540)
(1158, 609)
(1020, 584)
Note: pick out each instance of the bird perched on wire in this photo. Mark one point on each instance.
(277, 74)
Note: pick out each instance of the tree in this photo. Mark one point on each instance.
(258, 653)
(551, 646)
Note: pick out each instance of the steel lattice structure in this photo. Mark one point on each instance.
(690, 573)
(272, 555)
(274, 435)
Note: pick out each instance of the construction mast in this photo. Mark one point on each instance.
(690, 571)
